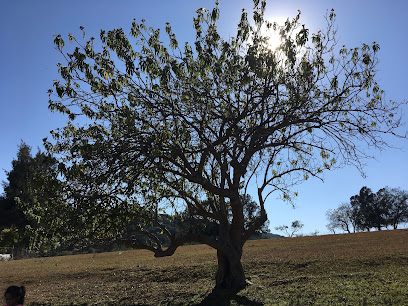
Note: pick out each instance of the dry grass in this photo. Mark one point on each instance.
(354, 269)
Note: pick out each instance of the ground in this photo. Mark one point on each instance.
(348, 269)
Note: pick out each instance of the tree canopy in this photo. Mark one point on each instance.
(156, 126)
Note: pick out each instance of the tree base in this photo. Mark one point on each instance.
(230, 274)
(223, 296)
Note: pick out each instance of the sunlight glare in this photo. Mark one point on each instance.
(274, 39)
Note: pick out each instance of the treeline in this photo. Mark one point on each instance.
(386, 208)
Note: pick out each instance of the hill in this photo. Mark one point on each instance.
(353, 269)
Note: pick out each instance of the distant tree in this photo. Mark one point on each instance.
(331, 228)
(165, 127)
(315, 233)
(395, 202)
(295, 227)
(343, 217)
(46, 207)
(33, 199)
(368, 211)
(16, 186)
(371, 210)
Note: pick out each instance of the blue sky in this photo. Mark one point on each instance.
(28, 68)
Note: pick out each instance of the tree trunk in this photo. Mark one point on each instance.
(230, 273)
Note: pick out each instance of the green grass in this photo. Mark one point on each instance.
(354, 269)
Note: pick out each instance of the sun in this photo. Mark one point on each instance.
(274, 38)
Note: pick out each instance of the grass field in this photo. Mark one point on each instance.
(353, 269)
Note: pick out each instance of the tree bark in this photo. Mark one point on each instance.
(230, 273)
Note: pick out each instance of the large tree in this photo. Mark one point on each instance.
(160, 127)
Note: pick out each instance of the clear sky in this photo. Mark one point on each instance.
(28, 68)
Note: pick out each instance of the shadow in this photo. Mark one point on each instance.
(223, 297)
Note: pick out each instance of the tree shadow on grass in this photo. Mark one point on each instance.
(224, 298)
(219, 297)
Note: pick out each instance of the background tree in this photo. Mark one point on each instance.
(368, 210)
(171, 128)
(33, 200)
(343, 217)
(16, 187)
(395, 202)
(362, 204)
(46, 207)
(331, 228)
(388, 206)
(292, 230)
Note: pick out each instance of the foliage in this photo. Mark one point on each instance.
(366, 210)
(34, 194)
(395, 202)
(294, 228)
(156, 126)
(15, 187)
(9, 237)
